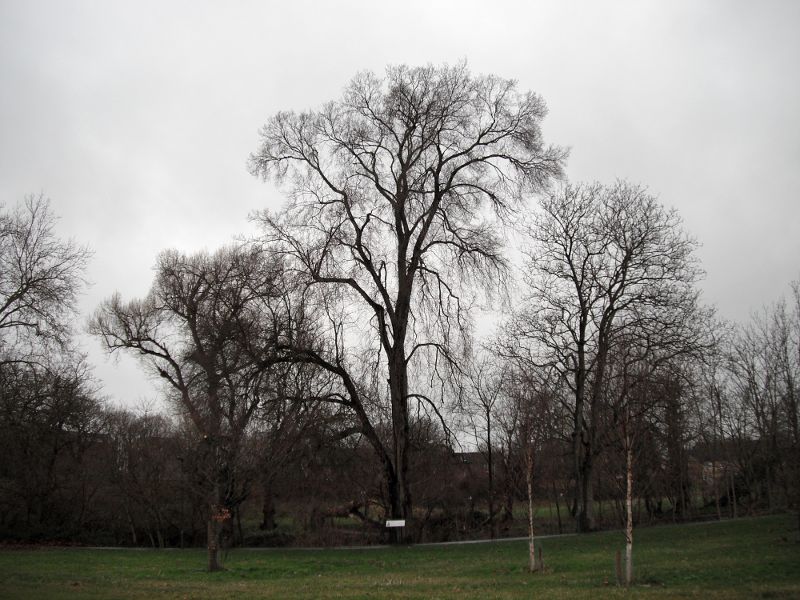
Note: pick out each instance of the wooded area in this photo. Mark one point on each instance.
(333, 373)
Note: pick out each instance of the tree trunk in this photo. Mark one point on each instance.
(577, 453)
(716, 488)
(399, 493)
(268, 509)
(239, 530)
(395, 502)
(508, 505)
(213, 529)
(490, 460)
(585, 516)
(533, 563)
(558, 507)
(131, 524)
(628, 510)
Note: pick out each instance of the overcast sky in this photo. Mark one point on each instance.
(137, 118)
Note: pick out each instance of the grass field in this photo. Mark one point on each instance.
(748, 558)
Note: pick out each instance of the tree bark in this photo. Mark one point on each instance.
(585, 516)
(533, 563)
(268, 508)
(399, 493)
(716, 486)
(490, 464)
(558, 507)
(213, 530)
(628, 509)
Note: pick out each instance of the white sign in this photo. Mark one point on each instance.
(396, 523)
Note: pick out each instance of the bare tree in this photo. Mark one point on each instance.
(633, 393)
(604, 262)
(765, 372)
(208, 328)
(48, 403)
(788, 350)
(50, 416)
(284, 422)
(40, 278)
(392, 190)
(145, 448)
(711, 411)
(481, 401)
(531, 395)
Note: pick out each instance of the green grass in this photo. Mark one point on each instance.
(749, 558)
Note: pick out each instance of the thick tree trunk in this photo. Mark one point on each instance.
(585, 510)
(399, 493)
(213, 529)
(577, 448)
(583, 459)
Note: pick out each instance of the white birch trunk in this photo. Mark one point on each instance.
(533, 564)
(628, 508)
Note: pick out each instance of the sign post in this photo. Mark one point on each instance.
(397, 525)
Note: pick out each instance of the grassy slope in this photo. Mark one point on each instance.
(750, 558)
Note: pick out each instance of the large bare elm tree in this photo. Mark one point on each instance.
(394, 194)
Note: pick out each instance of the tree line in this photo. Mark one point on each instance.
(334, 361)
